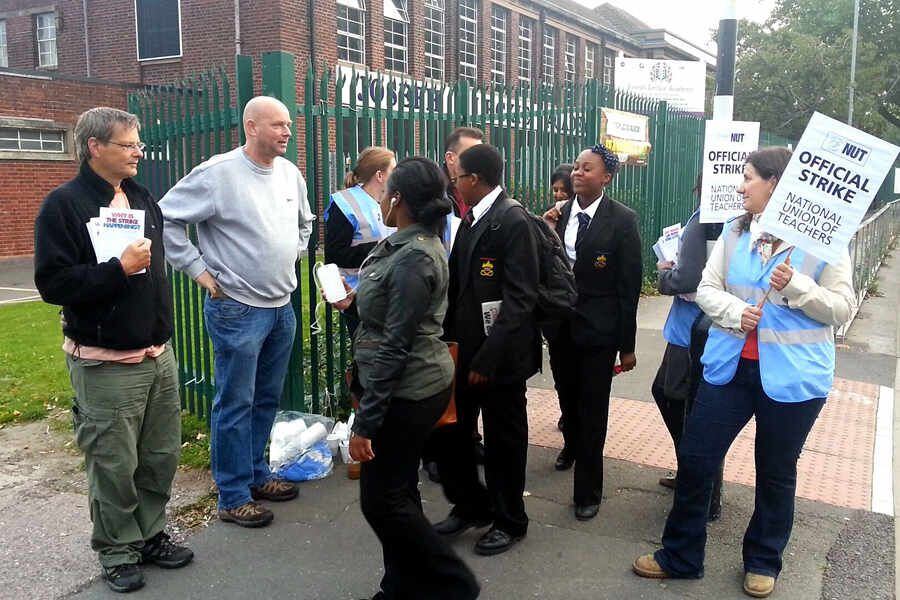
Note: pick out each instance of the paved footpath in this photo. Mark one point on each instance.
(842, 547)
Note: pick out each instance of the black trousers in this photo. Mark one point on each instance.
(418, 563)
(505, 455)
(583, 379)
(672, 389)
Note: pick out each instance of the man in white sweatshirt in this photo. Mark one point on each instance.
(253, 221)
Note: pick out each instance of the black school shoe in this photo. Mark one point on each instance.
(123, 578)
(162, 552)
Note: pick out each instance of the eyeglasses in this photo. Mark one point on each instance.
(453, 180)
(130, 147)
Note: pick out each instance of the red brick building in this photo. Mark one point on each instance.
(59, 57)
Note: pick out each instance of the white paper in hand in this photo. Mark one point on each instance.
(114, 230)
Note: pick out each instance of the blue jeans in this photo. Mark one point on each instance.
(718, 415)
(252, 349)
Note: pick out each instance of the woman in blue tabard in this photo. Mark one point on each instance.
(772, 358)
(353, 222)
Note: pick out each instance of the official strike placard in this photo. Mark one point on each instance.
(725, 149)
(827, 187)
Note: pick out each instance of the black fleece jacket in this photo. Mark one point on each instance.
(101, 305)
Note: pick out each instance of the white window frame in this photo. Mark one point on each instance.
(608, 62)
(4, 56)
(499, 21)
(53, 61)
(548, 53)
(346, 53)
(571, 53)
(60, 133)
(396, 23)
(590, 54)
(468, 28)
(435, 28)
(526, 37)
(137, 41)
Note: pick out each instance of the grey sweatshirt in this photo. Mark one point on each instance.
(252, 223)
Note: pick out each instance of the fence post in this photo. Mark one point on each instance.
(279, 81)
(243, 71)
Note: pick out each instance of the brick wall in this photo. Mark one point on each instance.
(24, 183)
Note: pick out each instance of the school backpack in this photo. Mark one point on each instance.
(557, 293)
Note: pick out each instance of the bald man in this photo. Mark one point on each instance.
(253, 221)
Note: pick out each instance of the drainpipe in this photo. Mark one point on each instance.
(87, 44)
(237, 27)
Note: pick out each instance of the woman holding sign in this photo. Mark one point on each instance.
(770, 354)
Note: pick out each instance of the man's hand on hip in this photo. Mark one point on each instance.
(136, 256)
(208, 283)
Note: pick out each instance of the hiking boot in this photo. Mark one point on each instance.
(276, 490)
(646, 566)
(124, 578)
(758, 586)
(250, 514)
(162, 552)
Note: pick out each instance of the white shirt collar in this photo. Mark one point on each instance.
(590, 210)
(485, 204)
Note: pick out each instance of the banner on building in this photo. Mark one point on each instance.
(726, 145)
(827, 187)
(626, 134)
(682, 83)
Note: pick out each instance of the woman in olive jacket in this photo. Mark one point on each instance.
(405, 372)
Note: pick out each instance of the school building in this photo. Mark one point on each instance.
(60, 58)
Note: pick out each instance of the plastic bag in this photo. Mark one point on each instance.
(315, 463)
(293, 434)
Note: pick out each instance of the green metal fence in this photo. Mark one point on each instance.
(535, 126)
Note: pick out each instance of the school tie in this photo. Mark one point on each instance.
(583, 222)
(469, 218)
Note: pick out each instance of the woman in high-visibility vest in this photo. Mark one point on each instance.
(353, 222)
(770, 355)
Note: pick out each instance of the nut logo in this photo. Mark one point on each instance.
(487, 267)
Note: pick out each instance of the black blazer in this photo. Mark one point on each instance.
(608, 271)
(497, 259)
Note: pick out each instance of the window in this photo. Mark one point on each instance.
(32, 140)
(45, 27)
(4, 58)
(396, 22)
(571, 49)
(468, 39)
(588, 61)
(498, 45)
(158, 24)
(351, 31)
(549, 53)
(607, 69)
(526, 27)
(434, 39)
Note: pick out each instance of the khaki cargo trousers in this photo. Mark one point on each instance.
(127, 423)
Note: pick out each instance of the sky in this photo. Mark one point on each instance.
(690, 19)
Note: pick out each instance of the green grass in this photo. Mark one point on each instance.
(33, 375)
(194, 442)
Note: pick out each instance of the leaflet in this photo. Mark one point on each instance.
(490, 311)
(114, 230)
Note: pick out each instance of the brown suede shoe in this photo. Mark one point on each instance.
(646, 566)
(758, 586)
(250, 514)
(276, 490)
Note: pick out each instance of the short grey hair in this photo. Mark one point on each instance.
(98, 123)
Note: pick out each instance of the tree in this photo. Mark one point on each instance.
(798, 62)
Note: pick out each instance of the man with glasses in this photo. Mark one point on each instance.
(117, 322)
(253, 221)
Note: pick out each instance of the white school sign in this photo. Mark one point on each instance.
(827, 187)
(726, 146)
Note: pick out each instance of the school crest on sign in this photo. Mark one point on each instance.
(600, 262)
(487, 267)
